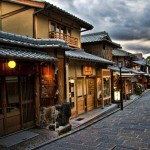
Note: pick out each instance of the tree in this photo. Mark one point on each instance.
(148, 60)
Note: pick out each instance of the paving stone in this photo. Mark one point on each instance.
(124, 130)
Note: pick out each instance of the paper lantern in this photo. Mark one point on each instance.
(12, 64)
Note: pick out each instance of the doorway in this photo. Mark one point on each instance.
(16, 103)
(80, 96)
(90, 84)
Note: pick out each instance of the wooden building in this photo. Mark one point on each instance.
(128, 77)
(85, 81)
(57, 33)
(28, 85)
(100, 44)
(42, 20)
(141, 65)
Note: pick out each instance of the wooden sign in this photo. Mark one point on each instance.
(87, 70)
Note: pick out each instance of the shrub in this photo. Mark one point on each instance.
(138, 88)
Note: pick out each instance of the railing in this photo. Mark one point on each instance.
(70, 40)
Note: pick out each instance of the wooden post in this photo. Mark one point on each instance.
(37, 94)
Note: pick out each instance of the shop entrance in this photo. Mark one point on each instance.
(80, 96)
(16, 103)
(90, 93)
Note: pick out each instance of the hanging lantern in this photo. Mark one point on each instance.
(12, 64)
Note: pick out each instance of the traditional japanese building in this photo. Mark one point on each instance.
(100, 44)
(140, 65)
(65, 73)
(40, 20)
(86, 82)
(28, 80)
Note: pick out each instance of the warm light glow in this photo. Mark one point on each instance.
(71, 80)
(12, 64)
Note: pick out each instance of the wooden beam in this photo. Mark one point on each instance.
(30, 3)
(14, 12)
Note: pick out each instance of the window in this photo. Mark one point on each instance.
(99, 88)
(106, 82)
(57, 31)
(52, 27)
(26, 86)
(79, 87)
(12, 91)
(71, 92)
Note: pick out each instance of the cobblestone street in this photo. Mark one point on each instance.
(125, 130)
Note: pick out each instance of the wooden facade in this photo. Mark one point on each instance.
(101, 49)
(100, 44)
(104, 87)
(21, 93)
(81, 87)
(41, 20)
(31, 19)
(89, 86)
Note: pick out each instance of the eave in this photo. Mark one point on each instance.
(32, 3)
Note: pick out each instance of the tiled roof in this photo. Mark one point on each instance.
(24, 54)
(117, 69)
(94, 37)
(82, 23)
(125, 70)
(140, 62)
(97, 37)
(120, 52)
(10, 38)
(82, 55)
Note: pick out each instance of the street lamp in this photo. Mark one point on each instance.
(121, 100)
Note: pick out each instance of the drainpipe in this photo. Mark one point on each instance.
(34, 14)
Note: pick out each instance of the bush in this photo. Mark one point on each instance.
(138, 88)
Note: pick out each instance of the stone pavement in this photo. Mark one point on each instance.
(79, 123)
(124, 130)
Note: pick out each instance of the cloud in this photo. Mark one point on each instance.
(124, 20)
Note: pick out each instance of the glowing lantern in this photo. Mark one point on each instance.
(11, 64)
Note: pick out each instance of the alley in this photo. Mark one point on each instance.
(125, 130)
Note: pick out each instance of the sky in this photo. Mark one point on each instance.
(126, 21)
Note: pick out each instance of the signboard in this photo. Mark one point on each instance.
(87, 70)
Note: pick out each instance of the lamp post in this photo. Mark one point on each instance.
(121, 100)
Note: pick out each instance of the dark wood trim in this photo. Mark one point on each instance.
(75, 66)
(14, 12)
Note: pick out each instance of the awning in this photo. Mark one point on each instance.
(136, 72)
(82, 55)
(140, 62)
(117, 69)
(127, 74)
(24, 54)
(125, 70)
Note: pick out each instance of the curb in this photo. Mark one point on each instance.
(83, 126)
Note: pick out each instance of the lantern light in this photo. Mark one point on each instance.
(12, 64)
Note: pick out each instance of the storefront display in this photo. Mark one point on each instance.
(104, 88)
